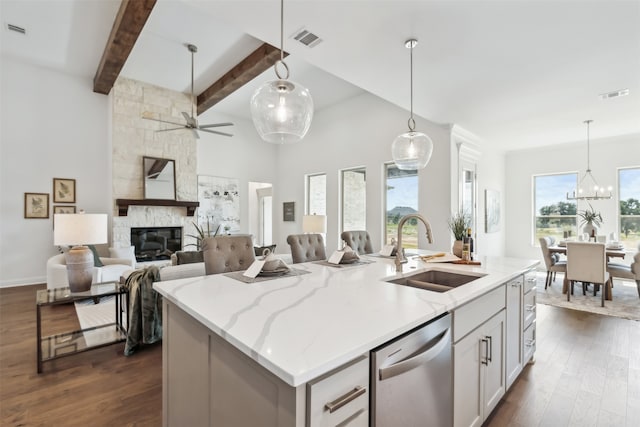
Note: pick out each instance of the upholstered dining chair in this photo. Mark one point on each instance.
(306, 247)
(552, 263)
(622, 271)
(358, 240)
(223, 254)
(587, 263)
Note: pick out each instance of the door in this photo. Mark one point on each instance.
(467, 383)
(494, 381)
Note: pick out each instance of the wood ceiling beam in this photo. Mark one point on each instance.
(246, 70)
(130, 20)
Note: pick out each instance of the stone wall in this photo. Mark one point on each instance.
(134, 137)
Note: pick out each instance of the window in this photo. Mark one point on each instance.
(629, 191)
(354, 199)
(401, 199)
(554, 215)
(317, 194)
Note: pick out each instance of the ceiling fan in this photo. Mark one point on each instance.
(192, 122)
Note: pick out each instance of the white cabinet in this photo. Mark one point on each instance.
(478, 359)
(515, 315)
(529, 313)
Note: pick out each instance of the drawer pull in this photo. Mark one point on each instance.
(343, 400)
(515, 284)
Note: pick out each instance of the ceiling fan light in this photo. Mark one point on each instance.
(411, 150)
(282, 111)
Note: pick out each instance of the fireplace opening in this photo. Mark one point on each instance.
(156, 243)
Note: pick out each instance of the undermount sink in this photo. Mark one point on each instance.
(436, 280)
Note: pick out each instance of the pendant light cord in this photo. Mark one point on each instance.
(192, 97)
(588, 147)
(281, 60)
(412, 123)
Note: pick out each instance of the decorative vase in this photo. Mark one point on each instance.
(590, 229)
(457, 248)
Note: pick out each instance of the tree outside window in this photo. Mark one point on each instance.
(554, 215)
(629, 196)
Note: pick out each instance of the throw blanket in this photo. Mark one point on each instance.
(145, 309)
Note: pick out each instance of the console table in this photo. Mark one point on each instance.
(73, 342)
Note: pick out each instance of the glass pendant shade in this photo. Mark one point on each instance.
(411, 150)
(282, 111)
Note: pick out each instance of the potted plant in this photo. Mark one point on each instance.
(458, 225)
(202, 233)
(591, 220)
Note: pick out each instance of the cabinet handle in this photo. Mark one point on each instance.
(490, 348)
(530, 343)
(343, 400)
(515, 284)
(486, 351)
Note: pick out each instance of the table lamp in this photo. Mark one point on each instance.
(314, 224)
(77, 230)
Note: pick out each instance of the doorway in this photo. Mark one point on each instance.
(261, 212)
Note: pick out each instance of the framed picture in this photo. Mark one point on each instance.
(289, 211)
(36, 205)
(491, 211)
(64, 190)
(64, 209)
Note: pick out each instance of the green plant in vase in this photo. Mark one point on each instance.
(591, 220)
(458, 225)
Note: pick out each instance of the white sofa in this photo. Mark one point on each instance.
(112, 269)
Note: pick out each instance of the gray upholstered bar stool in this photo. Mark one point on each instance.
(223, 254)
(306, 247)
(358, 240)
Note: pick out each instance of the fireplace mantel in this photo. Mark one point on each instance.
(123, 204)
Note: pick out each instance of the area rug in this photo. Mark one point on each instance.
(625, 303)
(91, 314)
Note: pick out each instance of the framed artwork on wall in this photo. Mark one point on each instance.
(492, 211)
(36, 205)
(64, 209)
(219, 199)
(64, 190)
(289, 211)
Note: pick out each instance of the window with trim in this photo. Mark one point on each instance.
(401, 199)
(354, 199)
(317, 194)
(629, 213)
(554, 215)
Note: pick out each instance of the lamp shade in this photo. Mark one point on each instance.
(314, 223)
(282, 111)
(80, 229)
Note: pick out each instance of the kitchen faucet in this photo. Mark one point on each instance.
(399, 254)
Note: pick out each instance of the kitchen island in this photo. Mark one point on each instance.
(256, 350)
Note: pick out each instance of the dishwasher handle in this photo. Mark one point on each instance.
(417, 360)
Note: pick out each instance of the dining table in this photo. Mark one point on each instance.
(611, 252)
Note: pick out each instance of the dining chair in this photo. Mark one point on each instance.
(358, 240)
(552, 262)
(306, 247)
(622, 271)
(587, 263)
(223, 254)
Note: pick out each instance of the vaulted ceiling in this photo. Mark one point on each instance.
(516, 73)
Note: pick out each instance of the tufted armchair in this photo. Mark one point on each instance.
(551, 262)
(223, 254)
(306, 247)
(621, 271)
(358, 240)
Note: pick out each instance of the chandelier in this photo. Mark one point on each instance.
(588, 188)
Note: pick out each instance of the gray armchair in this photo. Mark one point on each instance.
(358, 240)
(223, 254)
(306, 247)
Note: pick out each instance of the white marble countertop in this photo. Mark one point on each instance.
(301, 327)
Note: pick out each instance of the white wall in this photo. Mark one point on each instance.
(491, 175)
(53, 126)
(606, 156)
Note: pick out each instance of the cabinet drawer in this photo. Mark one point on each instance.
(530, 279)
(529, 309)
(529, 342)
(476, 312)
(341, 396)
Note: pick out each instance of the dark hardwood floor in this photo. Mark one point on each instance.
(586, 373)
(100, 387)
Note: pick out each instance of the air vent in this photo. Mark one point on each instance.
(614, 94)
(306, 37)
(17, 29)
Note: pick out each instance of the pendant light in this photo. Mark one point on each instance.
(588, 188)
(411, 150)
(281, 109)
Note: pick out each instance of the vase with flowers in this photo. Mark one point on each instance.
(458, 224)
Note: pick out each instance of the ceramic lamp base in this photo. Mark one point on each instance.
(79, 261)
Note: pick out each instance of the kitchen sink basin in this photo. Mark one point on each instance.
(436, 280)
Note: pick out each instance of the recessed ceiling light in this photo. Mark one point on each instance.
(614, 94)
(17, 29)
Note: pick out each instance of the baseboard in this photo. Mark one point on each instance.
(29, 281)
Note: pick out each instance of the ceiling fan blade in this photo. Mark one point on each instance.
(216, 132)
(195, 133)
(215, 125)
(163, 121)
(165, 130)
(191, 122)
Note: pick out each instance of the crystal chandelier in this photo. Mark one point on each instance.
(411, 150)
(282, 109)
(588, 188)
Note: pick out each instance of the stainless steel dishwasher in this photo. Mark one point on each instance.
(412, 377)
